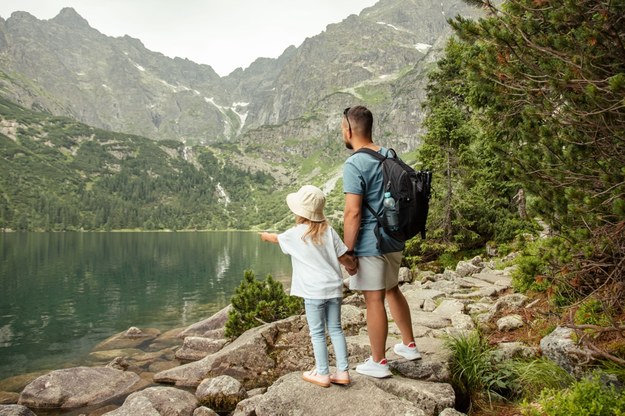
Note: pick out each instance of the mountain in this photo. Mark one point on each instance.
(276, 121)
(68, 68)
(58, 174)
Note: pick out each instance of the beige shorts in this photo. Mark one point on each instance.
(377, 272)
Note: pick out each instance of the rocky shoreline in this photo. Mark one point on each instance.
(197, 371)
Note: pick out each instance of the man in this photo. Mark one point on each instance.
(377, 275)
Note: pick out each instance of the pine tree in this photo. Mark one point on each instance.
(257, 302)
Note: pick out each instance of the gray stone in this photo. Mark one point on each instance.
(462, 322)
(479, 307)
(426, 369)
(426, 276)
(512, 302)
(449, 275)
(247, 407)
(448, 287)
(256, 358)
(196, 348)
(130, 339)
(422, 294)
(465, 268)
(506, 351)
(560, 348)
(206, 327)
(510, 322)
(78, 387)
(405, 275)
(430, 397)
(362, 397)
(489, 276)
(428, 305)
(449, 307)
(429, 319)
(15, 410)
(158, 401)
(486, 291)
(221, 393)
(451, 412)
(352, 319)
(471, 282)
(205, 411)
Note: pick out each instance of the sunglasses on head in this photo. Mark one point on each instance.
(347, 118)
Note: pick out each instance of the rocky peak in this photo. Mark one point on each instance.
(23, 16)
(70, 18)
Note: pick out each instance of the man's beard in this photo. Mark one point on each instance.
(348, 145)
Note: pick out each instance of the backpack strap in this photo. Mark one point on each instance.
(375, 154)
(380, 158)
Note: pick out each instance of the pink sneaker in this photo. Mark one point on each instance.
(340, 377)
(312, 376)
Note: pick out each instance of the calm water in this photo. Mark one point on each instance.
(62, 293)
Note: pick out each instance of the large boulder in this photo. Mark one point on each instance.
(221, 394)
(158, 401)
(208, 327)
(257, 358)
(78, 387)
(560, 348)
(291, 395)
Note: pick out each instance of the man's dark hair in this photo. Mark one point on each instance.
(361, 119)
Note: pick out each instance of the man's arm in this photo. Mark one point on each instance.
(351, 219)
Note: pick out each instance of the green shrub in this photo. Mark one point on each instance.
(589, 397)
(536, 375)
(256, 302)
(526, 276)
(474, 374)
(592, 312)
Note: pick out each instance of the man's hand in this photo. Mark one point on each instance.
(350, 262)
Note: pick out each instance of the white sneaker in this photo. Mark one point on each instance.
(373, 369)
(409, 352)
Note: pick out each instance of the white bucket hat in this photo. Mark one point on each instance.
(308, 203)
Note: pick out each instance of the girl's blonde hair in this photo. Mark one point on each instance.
(315, 231)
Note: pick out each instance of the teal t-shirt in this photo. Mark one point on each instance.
(362, 175)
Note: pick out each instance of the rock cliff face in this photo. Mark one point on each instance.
(379, 58)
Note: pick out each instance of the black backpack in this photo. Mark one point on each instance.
(411, 191)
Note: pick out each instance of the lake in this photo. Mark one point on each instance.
(63, 293)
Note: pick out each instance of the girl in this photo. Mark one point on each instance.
(316, 251)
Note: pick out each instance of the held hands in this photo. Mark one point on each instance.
(352, 268)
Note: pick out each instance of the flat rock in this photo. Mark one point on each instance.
(429, 319)
(449, 307)
(78, 387)
(131, 338)
(362, 397)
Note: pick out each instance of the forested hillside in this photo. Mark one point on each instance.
(59, 174)
(526, 132)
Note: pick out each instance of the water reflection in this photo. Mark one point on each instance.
(62, 293)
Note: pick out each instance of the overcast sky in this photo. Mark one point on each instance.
(224, 34)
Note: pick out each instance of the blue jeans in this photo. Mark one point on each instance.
(319, 314)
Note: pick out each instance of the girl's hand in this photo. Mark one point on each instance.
(270, 237)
